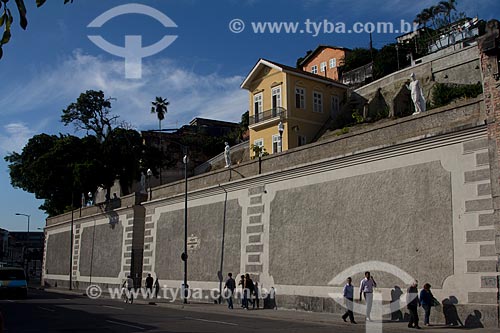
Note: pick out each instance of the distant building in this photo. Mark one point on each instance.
(325, 61)
(211, 127)
(4, 244)
(358, 76)
(204, 137)
(303, 102)
(23, 251)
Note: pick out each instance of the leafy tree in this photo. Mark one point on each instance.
(357, 58)
(436, 18)
(299, 60)
(386, 61)
(6, 19)
(243, 134)
(91, 112)
(55, 168)
(59, 168)
(123, 153)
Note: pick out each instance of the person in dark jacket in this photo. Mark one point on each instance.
(230, 286)
(427, 301)
(413, 303)
(242, 284)
(248, 290)
(149, 286)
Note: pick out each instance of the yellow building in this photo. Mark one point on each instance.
(301, 101)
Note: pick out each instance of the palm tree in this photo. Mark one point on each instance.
(446, 8)
(159, 106)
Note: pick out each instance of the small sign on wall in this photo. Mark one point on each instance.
(193, 243)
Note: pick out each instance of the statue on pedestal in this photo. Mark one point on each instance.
(227, 155)
(417, 94)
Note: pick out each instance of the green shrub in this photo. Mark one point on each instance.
(443, 94)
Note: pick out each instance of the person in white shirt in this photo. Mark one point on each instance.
(349, 297)
(366, 289)
(130, 286)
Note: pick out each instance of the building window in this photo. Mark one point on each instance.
(302, 140)
(276, 144)
(259, 143)
(300, 98)
(257, 105)
(276, 98)
(323, 66)
(317, 101)
(333, 63)
(314, 69)
(335, 107)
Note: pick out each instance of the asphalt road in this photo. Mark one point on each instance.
(50, 312)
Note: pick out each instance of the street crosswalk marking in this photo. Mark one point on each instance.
(112, 307)
(212, 321)
(131, 326)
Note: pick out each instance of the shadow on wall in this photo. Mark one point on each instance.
(452, 318)
(450, 312)
(396, 313)
(402, 104)
(377, 107)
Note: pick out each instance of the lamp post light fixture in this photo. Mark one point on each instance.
(149, 173)
(281, 129)
(25, 262)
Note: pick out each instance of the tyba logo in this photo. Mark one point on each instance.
(133, 51)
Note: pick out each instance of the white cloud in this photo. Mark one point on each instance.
(190, 94)
(14, 136)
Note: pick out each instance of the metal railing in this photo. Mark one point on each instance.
(278, 112)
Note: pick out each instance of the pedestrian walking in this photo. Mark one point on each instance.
(249, 289)
(242, 284)
(348, 293)
(157, 287)
(427, 301)
(366, 289)
(130, 289)
(231, 287)
(149, 286)
(256, 294)
(413, 303)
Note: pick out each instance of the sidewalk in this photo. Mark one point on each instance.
(333, 319)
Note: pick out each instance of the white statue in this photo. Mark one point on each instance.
(417, 94)
(227, 155)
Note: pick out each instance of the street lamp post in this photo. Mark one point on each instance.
(185, 160)
(184, 255)
(221, 275)
(27, 241)
(281, 129)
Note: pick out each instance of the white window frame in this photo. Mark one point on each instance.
(302, 93)
(258, 99)
(333, 62)
(314, 69)
(317, 101)
(323, 66)
(277, 141)
(259, 143)
(276, 91)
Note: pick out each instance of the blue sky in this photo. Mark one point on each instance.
(46, 67)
